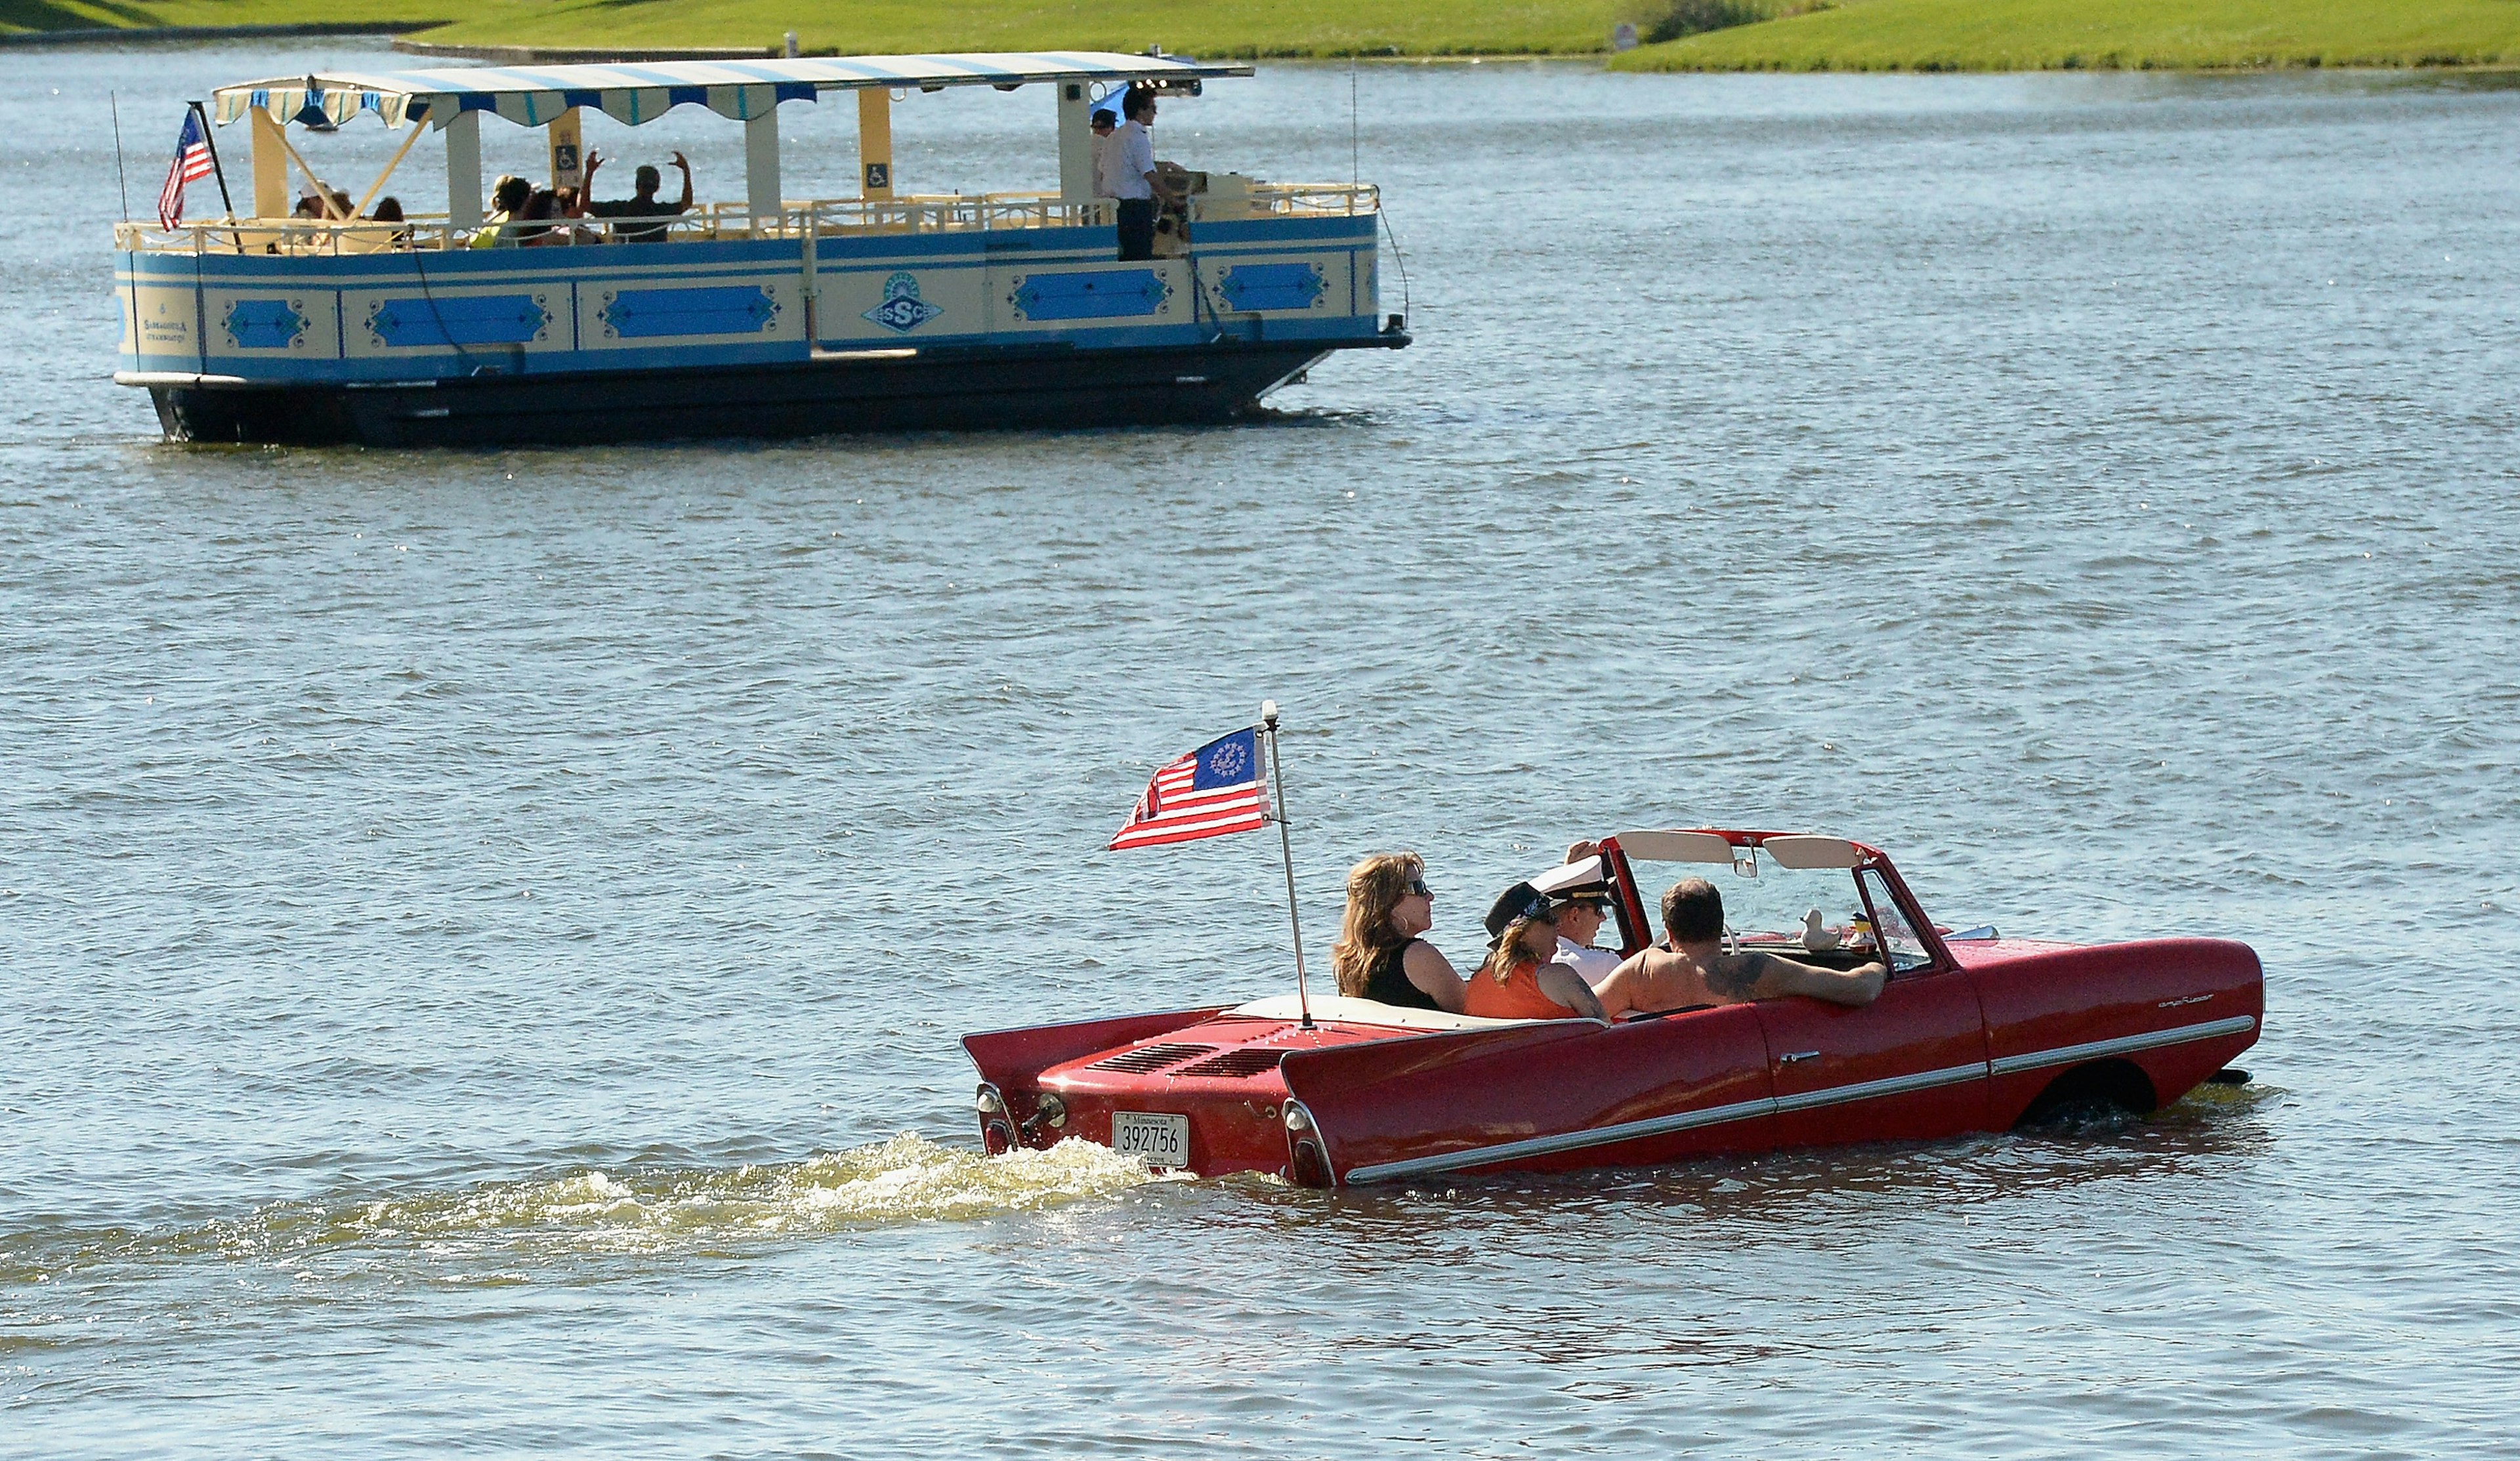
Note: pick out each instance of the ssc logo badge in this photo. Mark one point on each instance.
(1229, 763)
(902, 310)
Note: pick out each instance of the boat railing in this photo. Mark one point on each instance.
(831, 219)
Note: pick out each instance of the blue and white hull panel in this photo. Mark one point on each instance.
(976, 328)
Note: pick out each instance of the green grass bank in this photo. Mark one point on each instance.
(1860, 35)
(1201, 27)
(2031, 35)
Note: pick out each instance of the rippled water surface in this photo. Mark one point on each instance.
(485, 934)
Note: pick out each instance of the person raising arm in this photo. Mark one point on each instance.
(645, 218)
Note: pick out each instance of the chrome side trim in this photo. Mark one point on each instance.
(2124, 1044)
(1564, 1141)
(1861, 1090)
(1865, 1090)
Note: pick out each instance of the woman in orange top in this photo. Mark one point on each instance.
(1521, 980)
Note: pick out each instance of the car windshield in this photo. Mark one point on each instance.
(1765, 905)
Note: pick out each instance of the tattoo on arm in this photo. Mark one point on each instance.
(1738, 977)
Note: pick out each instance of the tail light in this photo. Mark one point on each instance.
(996, 1134)
(1307, 1163)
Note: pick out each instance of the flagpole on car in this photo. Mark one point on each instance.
(1286, 847)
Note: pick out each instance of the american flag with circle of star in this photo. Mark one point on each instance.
(1210, 792)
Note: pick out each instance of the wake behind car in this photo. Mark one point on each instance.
(1970, 1032)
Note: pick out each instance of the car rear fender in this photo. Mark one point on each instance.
(2176, 1008)
(1549, 1094)
(1017, 1056)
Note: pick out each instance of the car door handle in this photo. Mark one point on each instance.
(1790, 1056)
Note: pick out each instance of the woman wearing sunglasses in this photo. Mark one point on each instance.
(1379, 954)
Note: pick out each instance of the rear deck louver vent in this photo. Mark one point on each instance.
(1238, 1065)
(1148, 1058)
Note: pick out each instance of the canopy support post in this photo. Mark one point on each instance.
(761, 171)
(464, 174)
(874, 142)
(1076, 180)
(270, 166)
(379, 186)
(566, 136)
(322, 190)
(812, 294)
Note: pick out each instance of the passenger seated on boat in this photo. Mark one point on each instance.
(645, 219)
(1521, 979)
(508, 203)
(382, 230)
(1581, 913)
(1379, 954)
(540, 229)
(1691, 968)
(389, 210)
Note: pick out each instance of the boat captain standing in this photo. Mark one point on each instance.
(1133, 175)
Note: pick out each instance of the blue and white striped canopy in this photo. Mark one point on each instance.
(531, 95)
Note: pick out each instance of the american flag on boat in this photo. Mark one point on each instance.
(1210, 792)
(192, 164)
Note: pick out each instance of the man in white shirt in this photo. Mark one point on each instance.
(1103, 123)
(1580, 914)
(1133, 175)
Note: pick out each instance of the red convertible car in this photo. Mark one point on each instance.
(1971, 1033)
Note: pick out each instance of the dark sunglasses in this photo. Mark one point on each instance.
(1417, 888)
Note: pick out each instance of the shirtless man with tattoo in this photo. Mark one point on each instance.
(1691, 967)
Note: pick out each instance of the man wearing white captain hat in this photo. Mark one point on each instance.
(1583, 900)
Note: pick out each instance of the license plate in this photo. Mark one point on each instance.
(1163, 1140)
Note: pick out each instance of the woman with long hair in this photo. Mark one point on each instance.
(1521, 979)
(1379, 954)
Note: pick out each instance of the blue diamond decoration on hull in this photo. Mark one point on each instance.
(265, 323)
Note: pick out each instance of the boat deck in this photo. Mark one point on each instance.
(820, 218)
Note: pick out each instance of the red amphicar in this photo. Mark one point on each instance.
(1971, 1032)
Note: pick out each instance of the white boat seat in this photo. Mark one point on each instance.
(1347, 1012)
